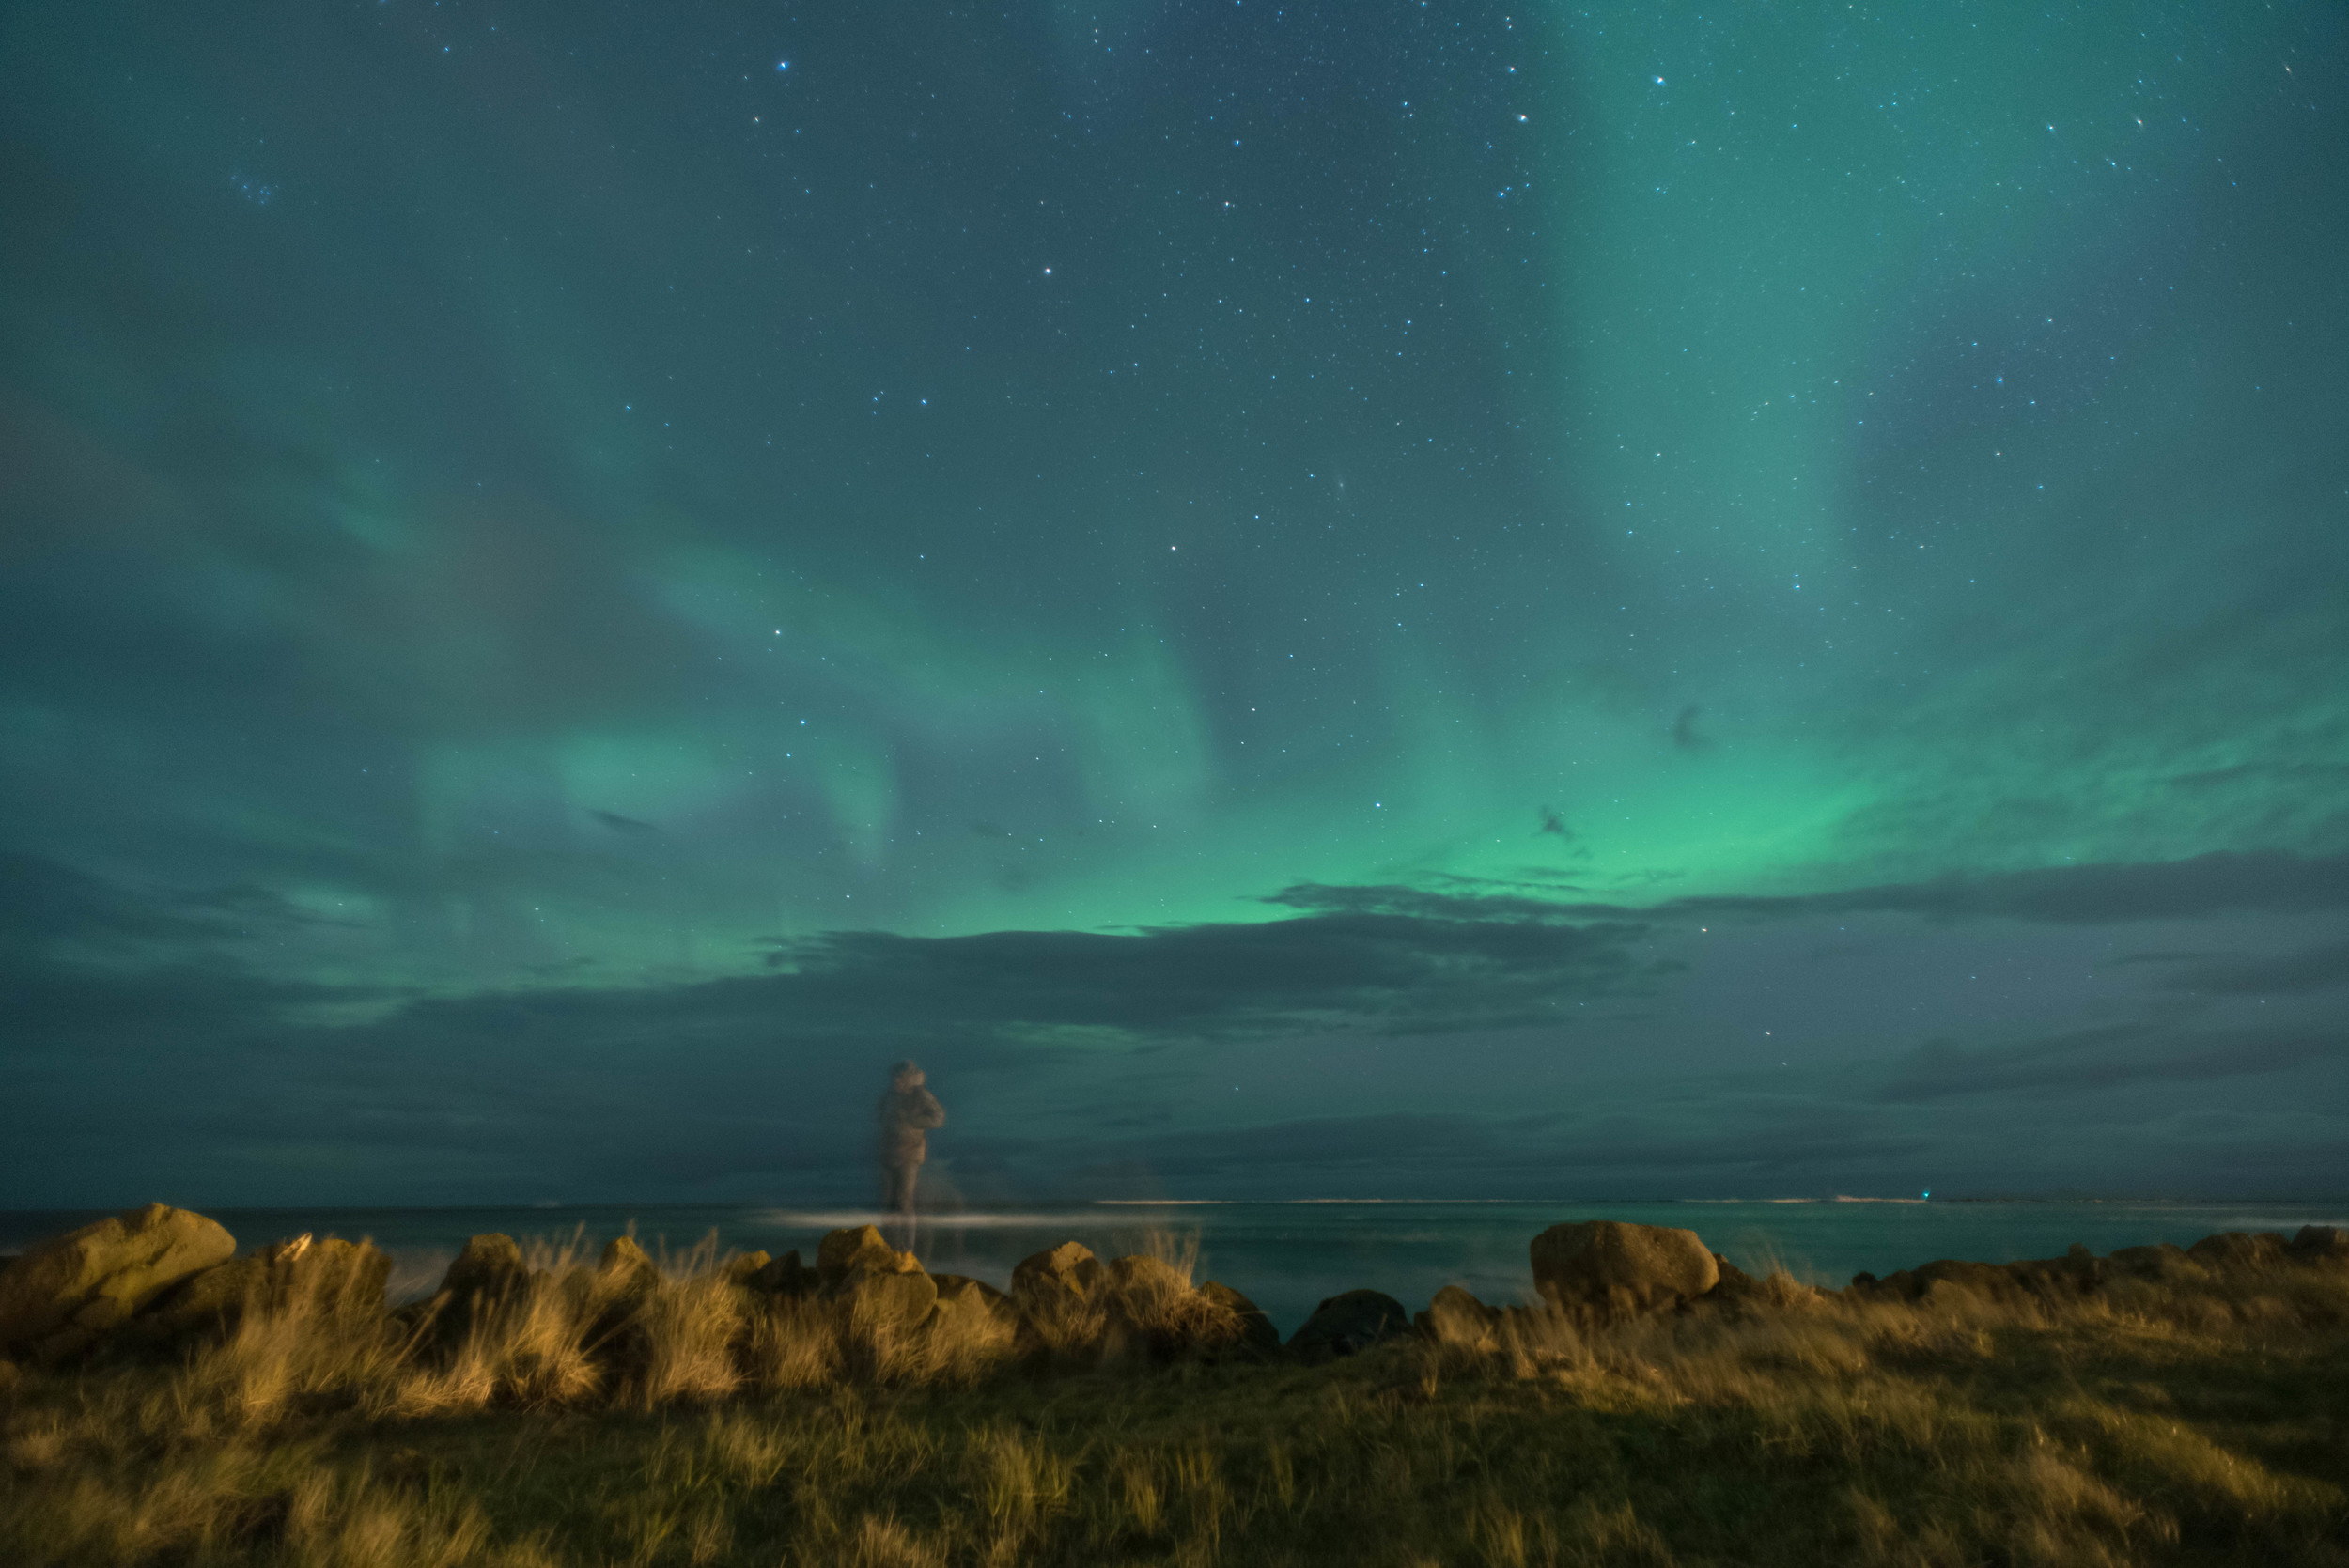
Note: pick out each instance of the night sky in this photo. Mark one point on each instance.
(1362, 599)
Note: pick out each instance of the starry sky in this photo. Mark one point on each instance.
(1367, 599)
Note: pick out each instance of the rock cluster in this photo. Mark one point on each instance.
(2080, 1272)
(60, 1296)
(155, 1276)
(151, 1277)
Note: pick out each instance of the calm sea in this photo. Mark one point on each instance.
(1287, 1256)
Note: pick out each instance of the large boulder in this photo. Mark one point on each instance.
(1607, 1269)
(489, 1269)
(960, 1290)
(1348, 1324)
(744, 1267)
(2321, 1243)
(859, 1249)
(1253, 1334)
(1151, 1310)
(339, 1280)
(57, 1298)
(1056, 1274)
(1456, 1317)
(485, 1277)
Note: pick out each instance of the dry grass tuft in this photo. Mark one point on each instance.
(672, 1414)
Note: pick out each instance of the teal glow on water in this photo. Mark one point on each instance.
(1287, 1256)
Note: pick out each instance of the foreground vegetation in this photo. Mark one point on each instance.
(612, 1415)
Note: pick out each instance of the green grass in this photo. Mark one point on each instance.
(2144, 1424)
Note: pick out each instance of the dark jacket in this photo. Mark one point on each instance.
(904, 1116)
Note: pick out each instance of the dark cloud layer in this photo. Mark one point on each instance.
(755, 1085)
(2220, 883)
(2109, 1058)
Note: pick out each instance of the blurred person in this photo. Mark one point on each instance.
(907, 1112)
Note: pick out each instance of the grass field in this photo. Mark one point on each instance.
(693, 1423)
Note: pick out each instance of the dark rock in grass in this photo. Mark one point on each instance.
(1056, 1274)
(1456, 1317)
(60, 1296)
(484, 1277)
(2078, 1272)
(342, 1280)
(1742, 1293)
(2321, 1243)
(784, 1276)
(741, 1270)
(860, 1249)
(1349, 1324)
(1944, 1281)
(1607, 1269)
(2167, 1263)
(961, 1287)
(490, 1269)
(1151, 1310)
(2240, 1251)
(625, 1268)
(1255, 1336)
(962, 1300)
(874, 1299)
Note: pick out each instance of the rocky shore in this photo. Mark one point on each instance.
(156, 1279)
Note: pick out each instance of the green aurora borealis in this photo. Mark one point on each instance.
(1372, 599)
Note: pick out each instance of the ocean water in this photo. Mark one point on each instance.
(1287, 1256)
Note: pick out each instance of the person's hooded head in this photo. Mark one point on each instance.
(906, 1074)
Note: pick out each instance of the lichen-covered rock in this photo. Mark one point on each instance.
(60, 1295)
(960, 1288)
(1348, 1324)
(861, 1248)
(340, 1279)
(489, 1269)
(1068, 1270)
(741, 1269)
(1456, 1317)
(1610, 1269)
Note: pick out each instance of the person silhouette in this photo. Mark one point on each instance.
(905, 1115)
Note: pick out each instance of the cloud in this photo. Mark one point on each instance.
(2105, 1057)
(619, 824)
(2314, 968)
(1684, 734)
(1418, 963)
(2225, 883)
